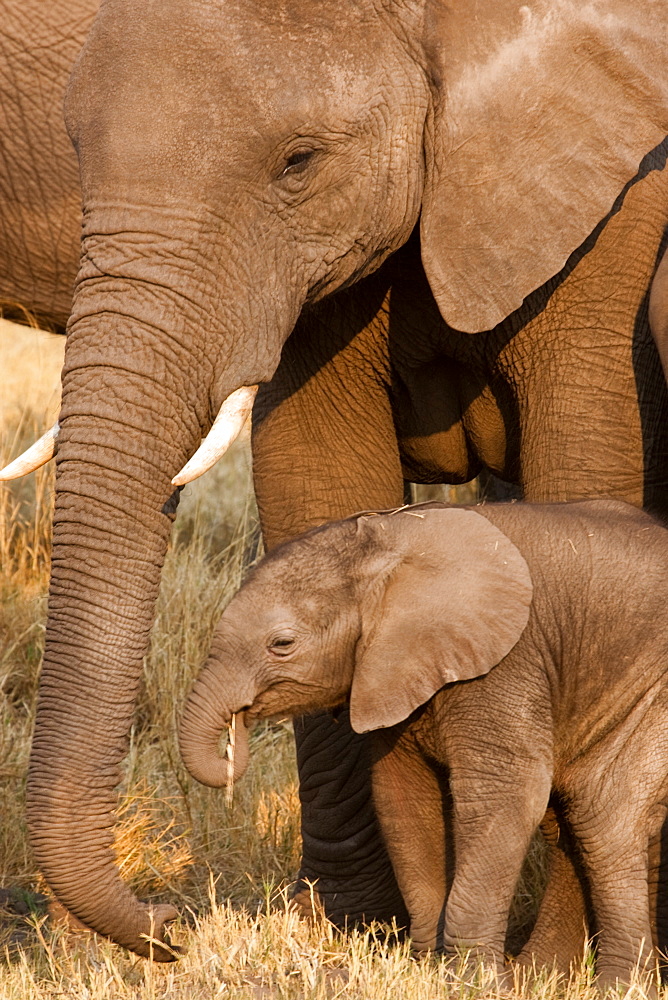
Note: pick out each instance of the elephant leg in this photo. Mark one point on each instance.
(324, 446)
(492, 832)
(345, 870)
(560, 932)
(658, 311)
(411, 801)
(611, 830)
(658, 883)
(591, 394)
(618, 876)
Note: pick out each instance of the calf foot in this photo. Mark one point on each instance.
(619, 981)
(482, 967)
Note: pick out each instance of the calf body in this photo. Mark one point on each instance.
(507, 658)
(576, 711)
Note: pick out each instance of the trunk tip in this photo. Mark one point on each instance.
(156, 943)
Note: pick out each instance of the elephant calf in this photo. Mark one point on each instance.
(403, 615)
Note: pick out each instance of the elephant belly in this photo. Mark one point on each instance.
(449, 424)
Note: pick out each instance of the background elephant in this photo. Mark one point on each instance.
(40, 199)
(534, 606)
(239, 164)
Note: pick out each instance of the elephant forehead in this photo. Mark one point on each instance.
(285, 593)
(259, 614)
(208, 57)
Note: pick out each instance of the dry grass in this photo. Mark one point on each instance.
(226, 869)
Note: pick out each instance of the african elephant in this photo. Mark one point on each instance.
(40, 199)
(328, 200)
(546, 612)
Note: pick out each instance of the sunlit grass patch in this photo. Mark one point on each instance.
(267, 952)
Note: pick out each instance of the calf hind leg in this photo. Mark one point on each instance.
(562, 925)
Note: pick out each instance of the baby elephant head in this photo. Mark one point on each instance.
(380, 609)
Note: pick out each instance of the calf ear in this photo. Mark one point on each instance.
(454, 605)
(542, 112)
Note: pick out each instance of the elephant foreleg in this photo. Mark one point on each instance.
(413, 805)
(344, 865)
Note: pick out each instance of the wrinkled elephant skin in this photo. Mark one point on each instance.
(241, 162)
(40, 199)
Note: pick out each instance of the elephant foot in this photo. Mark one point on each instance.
(318, 899)
(621, 981)
(559, 944)
(306, 901)
(477, 969)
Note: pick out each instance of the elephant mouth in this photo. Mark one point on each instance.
(236, 751)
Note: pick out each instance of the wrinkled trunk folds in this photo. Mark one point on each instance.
(216, 696)
(110, 539)
(156, 343)
(126, 429)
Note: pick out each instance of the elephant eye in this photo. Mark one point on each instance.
(282, 644)
(296, 163)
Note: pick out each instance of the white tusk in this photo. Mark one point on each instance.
(37, 454)
(224, 430)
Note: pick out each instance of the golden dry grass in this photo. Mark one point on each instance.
(226, 869)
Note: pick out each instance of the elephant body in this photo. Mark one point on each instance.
(40, 198)
(565, 397)
(503, 657)
(431, 244)
(571, 716)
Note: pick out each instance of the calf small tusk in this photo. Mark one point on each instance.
(37, 455)
(224, 430)
(229, 751)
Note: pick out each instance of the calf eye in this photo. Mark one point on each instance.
(281, 645)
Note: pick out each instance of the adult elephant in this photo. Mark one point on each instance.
(328, 200)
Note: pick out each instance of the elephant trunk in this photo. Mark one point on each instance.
(135, 404)
(216, 702)
(108, 548)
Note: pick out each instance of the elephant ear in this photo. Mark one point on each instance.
(454, 605)
(542, 113)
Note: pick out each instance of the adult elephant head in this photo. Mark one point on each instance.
(240, 160)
